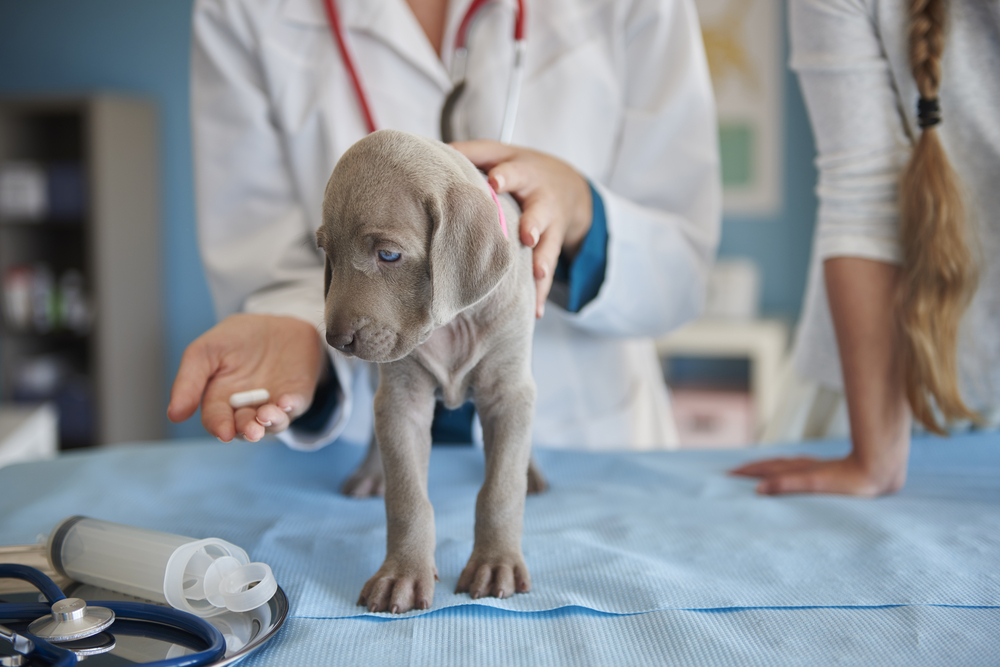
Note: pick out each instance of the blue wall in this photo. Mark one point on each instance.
(130, 46)
(141, 47)
(781, 244)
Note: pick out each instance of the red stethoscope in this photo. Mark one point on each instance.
(457, 70)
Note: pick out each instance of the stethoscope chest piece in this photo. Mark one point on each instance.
(102, 642)
(72, 619)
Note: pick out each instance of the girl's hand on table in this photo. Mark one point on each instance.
(805, 474)
(861, 294)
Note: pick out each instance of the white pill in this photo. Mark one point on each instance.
(243, 399)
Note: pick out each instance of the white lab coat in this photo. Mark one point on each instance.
(618, 89)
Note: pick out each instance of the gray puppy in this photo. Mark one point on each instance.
(423, 278)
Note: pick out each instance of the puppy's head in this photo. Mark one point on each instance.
(412, 237)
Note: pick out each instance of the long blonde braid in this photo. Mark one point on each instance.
(939, 273)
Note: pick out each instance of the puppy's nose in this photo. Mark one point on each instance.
(342, 341)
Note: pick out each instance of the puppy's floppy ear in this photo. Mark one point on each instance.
(469, 251)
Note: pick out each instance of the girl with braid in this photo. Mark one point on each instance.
(902, 311)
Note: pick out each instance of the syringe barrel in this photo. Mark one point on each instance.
(111, 555)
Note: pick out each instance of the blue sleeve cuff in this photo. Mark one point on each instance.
(325, 401)
(585, 273)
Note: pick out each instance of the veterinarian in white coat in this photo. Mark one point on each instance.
(619, 90)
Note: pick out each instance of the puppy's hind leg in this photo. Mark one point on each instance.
(536, 480)
(368, 479)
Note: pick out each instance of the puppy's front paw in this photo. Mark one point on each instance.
(499, 576)
(399, 589)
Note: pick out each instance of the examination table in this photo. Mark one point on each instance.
(635, 558)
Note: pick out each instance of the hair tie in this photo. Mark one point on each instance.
(928, 112)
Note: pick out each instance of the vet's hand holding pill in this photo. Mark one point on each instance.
(252, 375)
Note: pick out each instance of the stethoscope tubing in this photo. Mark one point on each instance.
(35, 577)
(352, 71)
(463, 27)
(55, 656)
(458, 69)
(175, 618)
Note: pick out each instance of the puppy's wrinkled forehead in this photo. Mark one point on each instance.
(375, 206)
(390, 180)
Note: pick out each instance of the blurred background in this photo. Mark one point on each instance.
(102, 283)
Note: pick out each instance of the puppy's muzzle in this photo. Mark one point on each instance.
(343, 341)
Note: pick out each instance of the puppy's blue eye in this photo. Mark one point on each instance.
(387, 256)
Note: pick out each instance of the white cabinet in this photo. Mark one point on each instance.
(762, 344)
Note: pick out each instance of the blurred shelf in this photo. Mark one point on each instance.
(42, 225)
(50, 336)
(103, 222)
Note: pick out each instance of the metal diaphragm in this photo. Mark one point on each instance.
(102, 642)
(72, 619)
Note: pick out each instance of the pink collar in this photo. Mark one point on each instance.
(503, 220)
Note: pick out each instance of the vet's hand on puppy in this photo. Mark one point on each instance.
(285, 355)
(555, 198)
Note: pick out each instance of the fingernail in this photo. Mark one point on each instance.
(499, 180)
(262, 423)
(286, 408)
(534, 237)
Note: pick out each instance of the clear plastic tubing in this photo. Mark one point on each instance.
(204, 577)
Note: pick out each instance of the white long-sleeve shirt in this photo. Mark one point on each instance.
(619, 90)
(852, 60)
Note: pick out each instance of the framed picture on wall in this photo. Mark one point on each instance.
(744, 42)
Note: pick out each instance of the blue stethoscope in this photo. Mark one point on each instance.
(73, 620)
